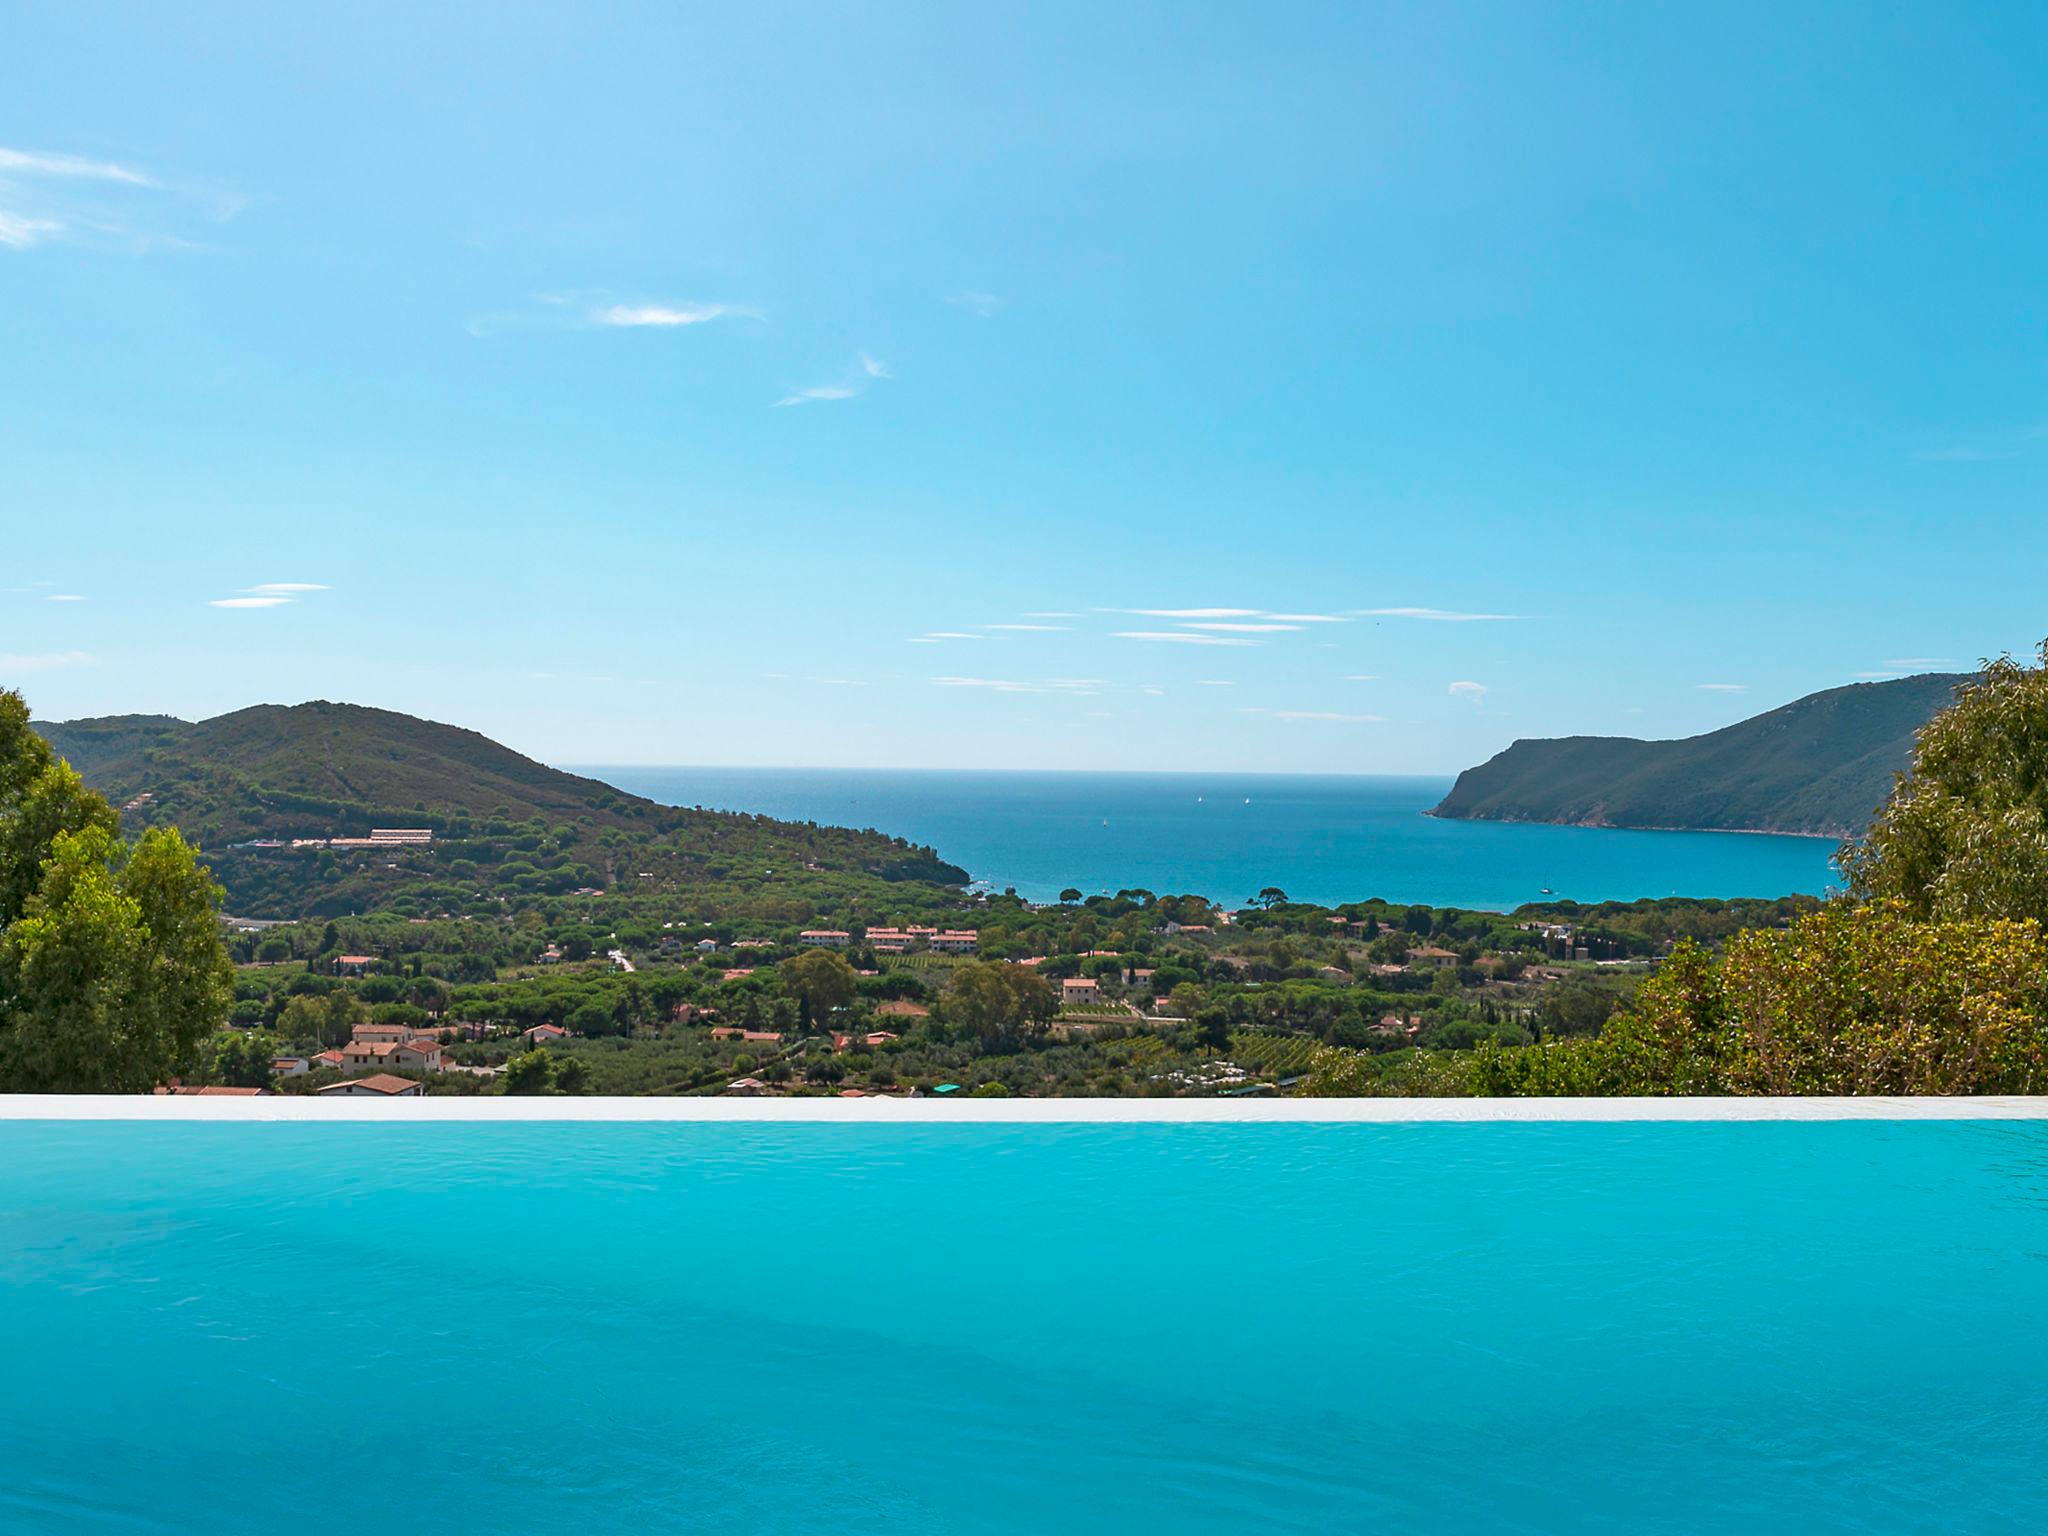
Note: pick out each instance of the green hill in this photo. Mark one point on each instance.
(505, 827)
(1819, 765)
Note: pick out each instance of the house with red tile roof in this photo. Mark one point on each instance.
(382, 1084)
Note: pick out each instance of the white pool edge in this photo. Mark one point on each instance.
(952, 1111)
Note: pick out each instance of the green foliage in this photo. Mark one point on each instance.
(1965, 833)
(111, 965)
(507, 829)
(999, 1005)
(1819, 765)
(821, 981)
(1851, 1000)
(530, 1072)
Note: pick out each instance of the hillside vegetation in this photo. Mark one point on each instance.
(504, 825)
(1820, 765)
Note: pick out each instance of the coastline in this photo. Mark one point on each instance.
(1608, 826)
(293, 1109)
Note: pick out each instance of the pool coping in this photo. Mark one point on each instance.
(960, 1111)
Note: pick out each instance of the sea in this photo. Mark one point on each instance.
(1320, 838)
(929, 1330)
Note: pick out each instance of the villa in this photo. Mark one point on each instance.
(1080, 990)
(382, 1084)
(826, 938)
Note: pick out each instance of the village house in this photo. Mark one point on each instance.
(1080, 990)
(747, 1087)
(1431, 954)
(291, 1066)
(826, 938)
(382, 1084)
(327, 1059)
(955, 941)
(216, 1092)
(389, 1033)
(405, 1055)
(544, 1034)
(353, 965)
(753, 1036)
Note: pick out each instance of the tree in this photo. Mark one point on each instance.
(820, 981)
(1002, 1005)
(1069, 896)
(112, 968)
(571, 1076)
(1848, 1000)
(1965, 832)
(530, 1072)
(243, 1059)
(1268, 898)
(328, 1019)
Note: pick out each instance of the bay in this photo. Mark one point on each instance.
(1322, 838)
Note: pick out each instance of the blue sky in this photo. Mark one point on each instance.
(902, 385)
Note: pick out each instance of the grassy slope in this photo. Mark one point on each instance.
(323, 770)
(1821, 764)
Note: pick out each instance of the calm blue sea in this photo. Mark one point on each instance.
(1326, 839)
(1030, 1329)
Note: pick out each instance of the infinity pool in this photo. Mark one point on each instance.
(1024, 1328)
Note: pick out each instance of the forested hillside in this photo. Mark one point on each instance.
(1820, 765)
(502, 823)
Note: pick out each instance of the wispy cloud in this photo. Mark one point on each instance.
(1078, 687)
(1179, 637)
(933, 637)
(818, 392)
(1725, 687)
(1362, 677)
(1308, 618)
(15, 664)
(1215, 682)
(1187, 613)
(659, 316)
(1235, 627)
(66, 597)
(269, 594)
(1030, 629)
(18, 231)
(48, 197)
(247, 602)
(868, 370)
(29, 163)
(1436, 615)
(982, 304)
(1465, 688)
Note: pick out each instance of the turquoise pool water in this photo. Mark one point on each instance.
(753, 1328)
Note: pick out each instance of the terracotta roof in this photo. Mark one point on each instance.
(237, 1093)
(377, 1082)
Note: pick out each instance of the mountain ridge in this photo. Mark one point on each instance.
(245, 785)
(1817, 767)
